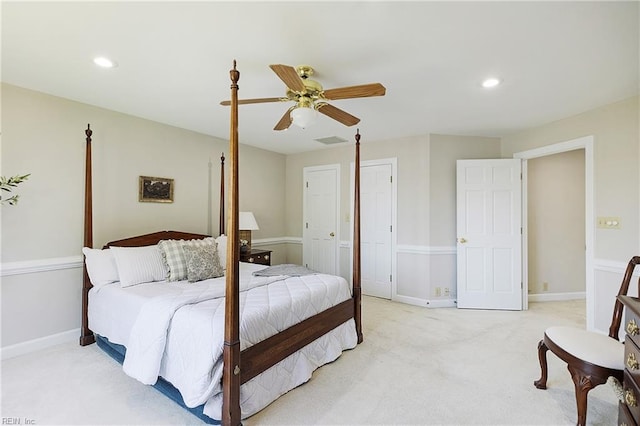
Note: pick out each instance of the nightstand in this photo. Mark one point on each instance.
(261, 257)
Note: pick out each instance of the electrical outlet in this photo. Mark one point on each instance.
(545, 286)
(446, 291)
(438, 291)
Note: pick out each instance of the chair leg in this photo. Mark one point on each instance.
(542, 357)
(583, 384)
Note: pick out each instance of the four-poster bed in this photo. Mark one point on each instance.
(245, 356)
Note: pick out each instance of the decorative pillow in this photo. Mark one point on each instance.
(173, 256)
(202, 262)
(222, 250)
(101, 266)
(137, 265)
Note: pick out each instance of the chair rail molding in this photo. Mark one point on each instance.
(614, 266)
(40, 265)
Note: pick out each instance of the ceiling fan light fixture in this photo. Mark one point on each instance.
(303, 116)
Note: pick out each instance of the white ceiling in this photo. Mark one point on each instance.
(557, 59)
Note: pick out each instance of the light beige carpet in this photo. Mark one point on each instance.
(416, 366)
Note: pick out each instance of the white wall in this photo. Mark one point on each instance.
(42, 236)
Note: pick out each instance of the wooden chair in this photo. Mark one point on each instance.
(591, 357)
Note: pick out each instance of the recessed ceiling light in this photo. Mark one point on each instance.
(103, 62)
(490, 82)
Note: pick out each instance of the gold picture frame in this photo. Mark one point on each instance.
(155, 189)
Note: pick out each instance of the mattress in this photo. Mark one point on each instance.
(175, 330)
(113, 309)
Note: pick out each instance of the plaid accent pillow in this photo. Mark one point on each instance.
(174, 258)
(202, 262)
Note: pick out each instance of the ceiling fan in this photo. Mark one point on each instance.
(309, 97)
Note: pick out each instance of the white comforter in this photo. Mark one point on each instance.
(180, 337)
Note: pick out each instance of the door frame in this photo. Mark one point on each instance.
(393, 161)
(311, 169)
(586, 143)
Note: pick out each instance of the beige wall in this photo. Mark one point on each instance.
(412, 155)
(445, 151)
(425, 204)
(44, 135)
(556, 222)
(616, 134)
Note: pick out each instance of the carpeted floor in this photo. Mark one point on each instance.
(415, 366)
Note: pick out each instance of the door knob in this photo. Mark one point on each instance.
(462, 240)
(332, 234)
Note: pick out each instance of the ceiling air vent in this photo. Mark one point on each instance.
(331, 140)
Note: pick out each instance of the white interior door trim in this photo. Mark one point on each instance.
(586, 143)
(393, 161)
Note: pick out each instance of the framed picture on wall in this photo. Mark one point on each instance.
(155, 189)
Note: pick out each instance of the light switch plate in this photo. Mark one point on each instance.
(609, 222)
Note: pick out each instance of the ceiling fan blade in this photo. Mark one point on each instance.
(285, 121)
(254, 101)
(289, 76)
(361, 91)
(338, 114)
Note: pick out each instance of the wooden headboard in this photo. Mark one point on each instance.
(154, 238)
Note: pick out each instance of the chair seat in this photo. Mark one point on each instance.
(595, 348)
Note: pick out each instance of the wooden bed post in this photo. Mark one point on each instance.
(222, 215)
(231, 415)
(356, 242)
(86, 335)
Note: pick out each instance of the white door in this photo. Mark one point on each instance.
(321, 210)
(376, 229)
(489, 229)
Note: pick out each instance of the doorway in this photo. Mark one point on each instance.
(556, 226)
(587, 144)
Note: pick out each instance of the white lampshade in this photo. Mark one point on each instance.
(247, 222)
(303, 116)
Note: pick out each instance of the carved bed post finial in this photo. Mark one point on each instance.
(356, 242)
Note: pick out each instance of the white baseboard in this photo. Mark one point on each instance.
(442, 303)
(39, 344)
(555, 297)
(425, 303)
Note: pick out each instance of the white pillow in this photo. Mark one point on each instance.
(101, 266)
(173, 256)
(137, 265)
(222, 250)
